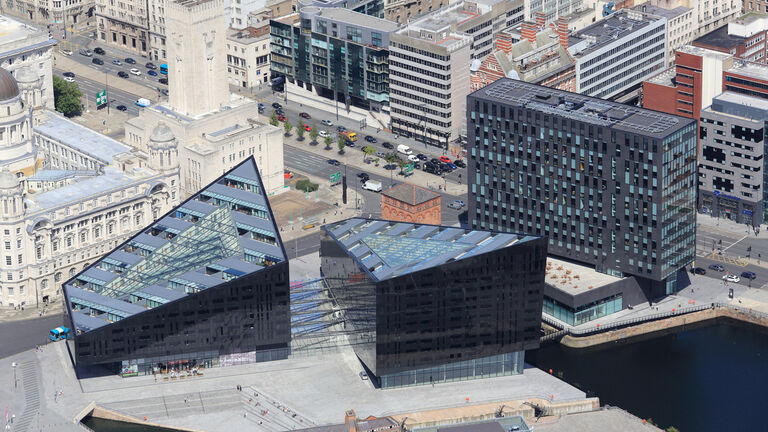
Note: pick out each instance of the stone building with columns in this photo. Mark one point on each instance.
(68, 194)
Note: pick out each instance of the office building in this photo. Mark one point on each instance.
(732, 180)
(551, 10)
(44, 12)
(211, 129)
(24, 47)
(124, 25)
(428, 304)
(610, 185)
(681, 26)
(69, 194)
(708, 15)
(410, 203)
(157, 42)
(248, 56)
(615, 55)
(744, 38)
(403, 11)
(205, 284)
(349, 54)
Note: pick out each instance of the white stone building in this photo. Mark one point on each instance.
(681, 26)
(68, 194)
(24, 46)
(248, 56)
(214, 130)
(123, 24)
(66, 12)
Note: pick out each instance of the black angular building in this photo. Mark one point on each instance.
(205, 285)
(427, 303)
(610, 185)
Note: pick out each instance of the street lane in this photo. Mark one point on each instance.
(117, 97)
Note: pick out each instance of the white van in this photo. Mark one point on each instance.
(404, 149)
(142, 102)
(372, 185)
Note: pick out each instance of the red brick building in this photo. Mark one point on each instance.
(410, 203)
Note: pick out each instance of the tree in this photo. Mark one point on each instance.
(66, 97)
(313, 134)
(328, 141)
(306, 185)
(287, 127)
(672, 429)
(273, 119)
(368, 150)
(300, 133)
(341, 142)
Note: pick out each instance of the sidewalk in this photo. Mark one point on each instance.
(729, 227)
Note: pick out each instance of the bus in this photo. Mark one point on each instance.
(164, 69)
(59, 333)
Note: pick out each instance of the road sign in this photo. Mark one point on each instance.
(408, 168)
(336, 177)
(101, 97)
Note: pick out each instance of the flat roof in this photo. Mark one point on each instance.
(358, 19)
(12, 30)
(387, 249)
(223, 232)
(582, 108)
(720, 38)
(83, 188)
(665, 77)
(615, 26)
(660, 11)
(79, 137)
(575, 279)
(753, 70)
(410, 193)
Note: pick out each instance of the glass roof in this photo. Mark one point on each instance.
(399, 251)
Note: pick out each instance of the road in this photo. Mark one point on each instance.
(18, 336)
(116, 96)
(732, 250)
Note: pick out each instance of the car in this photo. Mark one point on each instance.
(163, 81)
(435, 161)
(327, 122)
(117, 62)
(135, 71)
(698, 270)
(422, 157)
(129, 60)
(387, 145)
(390, 167)
(97, 61)
(276, 105)
(370, 139)
(363, 175)
(69, 79)
(716, 267)
(305, 115)
(307, 127)
(261, 106)
(413, 158)
(350, 144)
(280, 111)
(456, 204)
(445, 167)
(341, 129)
(748, 275)
(69, 74)
(416, 165)
(445, 159)
(732, 278)
(99, 51)
(150, 65)
(363, 375)
(281, 118)
(122, 74)
(323, 133)
(122, 108)
(287, 174)
(66, 52)
(86, 52)
(151, 73)
(381, 154)
(460, 163)
(164, 91)
(453, 167)
(334, 162)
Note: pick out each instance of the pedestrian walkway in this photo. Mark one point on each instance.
(729, 227)
(30, 380)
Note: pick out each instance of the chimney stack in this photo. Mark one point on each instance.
(350, 420)
(562, 31)
(541, 20)
(528, 31)
(504, 42)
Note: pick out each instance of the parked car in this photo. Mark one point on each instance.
(413, 158)
(129, 60)
(261, 106)
(97, 61)
(99, 51)
(334, 162)
(363, 375)
(748, 275)
(716, 267)
(323, 133)
(445, 159)
(276, 105)
(456, 204)
(305, 115)
(381, 154)
(732, 278)
(387, 145)
(460, 163)
(117, 62)
(698, 270)
(163, 81)
(69, 74)
(122, 108)
(435, 161)
(370, 139)
(422, 157)
(281, 118)
(327, 122)
(307, 127)
(122, 74)
(66, 52)
(150, 65)
(341, 129)
(452, 166)
(350, 144)
(135, 71)
(151, 73)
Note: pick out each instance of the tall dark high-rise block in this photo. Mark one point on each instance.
(205, 285)
(428, 303)
(610, 185)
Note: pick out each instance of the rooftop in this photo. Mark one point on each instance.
(574, 278)
(351, 17)
(582, 108)
(386, 249)
(662, 12)
(81, 138)
(410, 194)
(740, 105)
(224, 232)
(666, 77)
(618, 25)
(752, 70)
(15, 31)
(719, 39)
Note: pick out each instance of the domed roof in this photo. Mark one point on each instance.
(161, 133)
(8, 180)
(8, 87)
(26, 75)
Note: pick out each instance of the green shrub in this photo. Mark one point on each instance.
(305, 185)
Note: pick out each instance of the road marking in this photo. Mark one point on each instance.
(729, 246)
(739, 262)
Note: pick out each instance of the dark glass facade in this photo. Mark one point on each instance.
(463, 318)
(609, 185)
